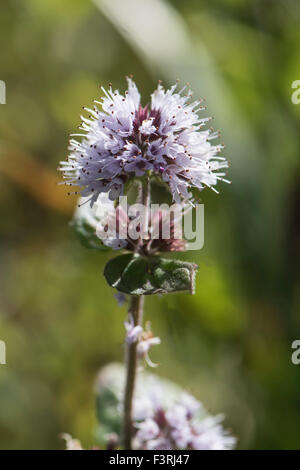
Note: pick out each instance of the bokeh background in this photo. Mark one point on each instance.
(230, 344)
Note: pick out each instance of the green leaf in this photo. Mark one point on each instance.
(108, 413)
(87, 235)
(115, 267)
(137, 275)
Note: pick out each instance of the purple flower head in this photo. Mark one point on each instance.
(163, 422)
(124, 140)
(165, 416)
(111, 225)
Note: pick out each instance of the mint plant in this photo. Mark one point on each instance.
(130, 152)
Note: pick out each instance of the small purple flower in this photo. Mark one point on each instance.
(144, 345)
(191, 405)
(209, 434)
(162, 443)
(144, 339)
(132, 332)
(120, 298)
(182, 436)
(147, 430)
(125, 139)
(176, 416)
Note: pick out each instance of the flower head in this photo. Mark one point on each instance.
(178, 424)
(125, 139)
(164, 415)
(112, 225)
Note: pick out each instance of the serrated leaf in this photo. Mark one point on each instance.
(137, 275)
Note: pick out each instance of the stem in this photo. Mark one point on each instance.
(144, 197)
(136, 312)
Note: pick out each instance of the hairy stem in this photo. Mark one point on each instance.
(136, 313)
(144, 198)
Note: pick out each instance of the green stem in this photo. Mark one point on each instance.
(144, 198)
(136, 313)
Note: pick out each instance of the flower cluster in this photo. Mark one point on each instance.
(125, 139)
(116, 227)
(165, 140)
(179, 424)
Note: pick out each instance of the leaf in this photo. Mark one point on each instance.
(115, 267)
(137, 275)
(108, 413)
(87, 235)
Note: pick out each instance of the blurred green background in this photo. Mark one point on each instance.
(230, 344)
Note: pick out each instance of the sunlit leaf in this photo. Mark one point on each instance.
(137, 275)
